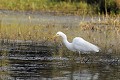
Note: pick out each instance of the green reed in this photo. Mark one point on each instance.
(46, 5)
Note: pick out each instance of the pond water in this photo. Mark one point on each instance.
(38, 62)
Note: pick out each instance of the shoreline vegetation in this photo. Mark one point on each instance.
(77, 7)
(104, 34)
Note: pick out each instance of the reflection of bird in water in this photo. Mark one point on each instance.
(78, 44)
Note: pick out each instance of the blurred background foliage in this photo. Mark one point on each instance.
(112, 6)
(96, 6)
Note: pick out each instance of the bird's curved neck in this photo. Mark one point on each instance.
(65, 41)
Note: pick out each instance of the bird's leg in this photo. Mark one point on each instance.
(80, 57)
(80, 66)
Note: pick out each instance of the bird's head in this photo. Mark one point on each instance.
(59, 33)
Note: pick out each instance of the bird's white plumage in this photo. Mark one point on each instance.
(78, 44)
(81, 45)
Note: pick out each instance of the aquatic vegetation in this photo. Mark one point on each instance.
(105, 33)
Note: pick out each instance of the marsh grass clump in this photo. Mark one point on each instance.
(4, 63)
(106, 35)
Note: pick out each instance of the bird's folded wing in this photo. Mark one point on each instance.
(81, 45)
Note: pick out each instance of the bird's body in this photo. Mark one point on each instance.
(78, 44)
(83, 46)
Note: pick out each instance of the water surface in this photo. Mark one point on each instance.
(25, 62)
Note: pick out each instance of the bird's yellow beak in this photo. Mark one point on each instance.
(54, 37)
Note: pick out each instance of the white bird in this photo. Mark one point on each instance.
(78, 44)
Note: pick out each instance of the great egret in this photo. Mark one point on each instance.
(78, 44)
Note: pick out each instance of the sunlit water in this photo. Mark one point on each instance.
(37, 62)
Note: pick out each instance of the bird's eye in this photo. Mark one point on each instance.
(57, 34)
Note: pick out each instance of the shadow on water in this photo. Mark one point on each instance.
(33, 61)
